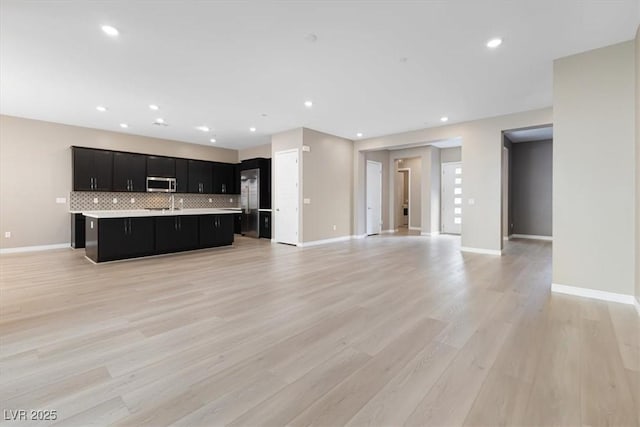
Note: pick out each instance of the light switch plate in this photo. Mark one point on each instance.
(306, 148)
(306, 201)
(61, 200)
(7, 234)
(472, 201)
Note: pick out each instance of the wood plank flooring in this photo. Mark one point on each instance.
(390, 330)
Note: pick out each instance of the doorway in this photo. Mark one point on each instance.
(286, 197)
(374, 197)
(403, 198)
(451, 198)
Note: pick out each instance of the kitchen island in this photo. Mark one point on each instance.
(113, 235)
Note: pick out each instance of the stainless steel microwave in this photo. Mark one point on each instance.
(157, 184)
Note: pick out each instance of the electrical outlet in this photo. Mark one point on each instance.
(306, 201)
(334, 228)
(210, 200)
(133, 200)
(181, 201)
(472, 201)
(95, 200)
(230, 200)
(115, 200)
(7, 234)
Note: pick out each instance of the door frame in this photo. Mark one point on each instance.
(408, 170)
(274, 227)
(442, 165)
(367, 193)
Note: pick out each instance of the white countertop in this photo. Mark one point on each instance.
(146, 213)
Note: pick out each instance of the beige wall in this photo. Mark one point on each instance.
(288, 140)
(263, 151)
(35, 169)
(453, 154)
(637, 119)
(432, 186)
(383, 158)
(482, 154)
(327, 181)
(593, 196)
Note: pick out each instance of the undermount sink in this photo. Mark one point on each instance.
(162, 209)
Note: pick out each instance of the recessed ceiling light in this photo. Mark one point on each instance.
(359, 134)
(101, 108)
(124, 125)
(444, 119)
(494, 43)
(159, 120)
(110, 31)
(213, 140)
(153, 107)
(203, 128)
(308, 104)
(252, 129)
(263, 115)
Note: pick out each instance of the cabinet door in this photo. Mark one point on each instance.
(129, 172)
(140, 236)
(200, 177)
(265, 184)
(225, 229)
(208, 226)
(237, 223)
(164, 167)
(265, 225)
(112, 241)
(166, 234)
(102, 170)
(82, 169)
(188, 232)
(182, 175)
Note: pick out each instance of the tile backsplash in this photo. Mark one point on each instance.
(100, 200)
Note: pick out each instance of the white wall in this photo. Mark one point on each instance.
(453, 154)
(482, 154)
(593, 194)
(637, 118)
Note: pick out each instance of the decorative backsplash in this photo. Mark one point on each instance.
(100, 201)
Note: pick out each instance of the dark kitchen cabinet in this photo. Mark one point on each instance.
(108, 239)
(163, 167)
(129, 172)
(77, 230)
(92, 169)
(182, 175)
(265, 225)
(176, 233)
(200, 177)
(224, 178)
(237, 223)
(216, 230)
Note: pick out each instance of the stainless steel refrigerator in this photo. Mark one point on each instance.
(250, 202)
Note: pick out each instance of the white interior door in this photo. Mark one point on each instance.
(286, 197)
(451, 198)
(374, 197)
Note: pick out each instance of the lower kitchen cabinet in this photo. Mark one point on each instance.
(237, 223)
(109, 239)
(216, 230)
(176, 233)
(265, 225)
(77, 230)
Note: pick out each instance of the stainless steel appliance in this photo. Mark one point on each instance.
(157, 184)
(250, 201)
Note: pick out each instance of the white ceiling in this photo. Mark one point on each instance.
(377, 67)
(528, 135)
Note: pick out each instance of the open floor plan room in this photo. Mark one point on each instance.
(328, 335)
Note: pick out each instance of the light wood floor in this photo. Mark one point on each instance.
(386, 331)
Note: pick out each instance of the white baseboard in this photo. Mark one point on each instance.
(433, 233)
(481, 251)
(325, 241)
(34, 248)
(415, 228)
(359, 236)
(389, 231)
(532, 237)
(637, 304)
(593, 293)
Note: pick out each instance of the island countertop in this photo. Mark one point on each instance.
(156, 212)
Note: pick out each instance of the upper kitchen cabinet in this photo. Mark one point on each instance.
(182, 175)
(163, 167)
(92, 169)
(129, 172)
(200, 177)
(264, 166)
(224, 178)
